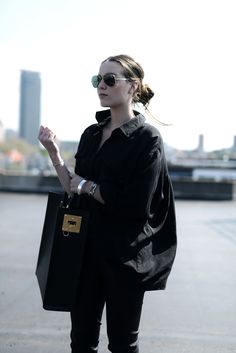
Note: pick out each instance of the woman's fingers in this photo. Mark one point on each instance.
(45, 134)
(47, 139)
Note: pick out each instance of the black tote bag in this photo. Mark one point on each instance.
(61, 252)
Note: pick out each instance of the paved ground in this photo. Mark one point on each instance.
(196, 313)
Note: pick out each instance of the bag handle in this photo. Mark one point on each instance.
(69, 200)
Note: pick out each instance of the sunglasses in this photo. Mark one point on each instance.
(109, 80)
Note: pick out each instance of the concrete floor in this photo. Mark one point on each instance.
(195, 314)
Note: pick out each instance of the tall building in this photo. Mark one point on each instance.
(200, 147)
(234, 144)
(30, 94)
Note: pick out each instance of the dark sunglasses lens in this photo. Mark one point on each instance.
(109, 80)
(96, 80)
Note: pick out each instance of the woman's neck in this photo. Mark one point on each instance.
(120, 117)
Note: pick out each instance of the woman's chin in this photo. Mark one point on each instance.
(103, 104)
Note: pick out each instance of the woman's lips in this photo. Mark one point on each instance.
(102, 95)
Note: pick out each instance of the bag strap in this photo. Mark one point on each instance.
(69, 201)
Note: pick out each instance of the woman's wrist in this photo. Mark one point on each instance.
(87, 187)
(81, 188)
(57, 160)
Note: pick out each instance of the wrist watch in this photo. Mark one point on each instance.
(92, 189)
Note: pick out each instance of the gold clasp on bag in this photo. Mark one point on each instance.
(71, 223)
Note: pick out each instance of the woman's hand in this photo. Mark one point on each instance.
(74, 182)
(47, 139)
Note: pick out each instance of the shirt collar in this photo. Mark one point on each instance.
(104, 116)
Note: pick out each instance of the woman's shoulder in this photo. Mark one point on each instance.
(150, 128)
(150, 131)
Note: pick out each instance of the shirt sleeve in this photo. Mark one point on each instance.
(133, 199)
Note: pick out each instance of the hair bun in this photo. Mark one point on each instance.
(146, 94)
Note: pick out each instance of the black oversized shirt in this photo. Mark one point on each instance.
(135, 230)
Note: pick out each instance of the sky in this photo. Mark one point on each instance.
(187, 49)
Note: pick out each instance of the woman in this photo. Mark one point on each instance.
(122, 179)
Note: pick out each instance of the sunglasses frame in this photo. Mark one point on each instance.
(96, 79)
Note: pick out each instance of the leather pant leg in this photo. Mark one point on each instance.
(87, 314)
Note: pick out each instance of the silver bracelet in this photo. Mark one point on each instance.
(79, 188)
(93, 189)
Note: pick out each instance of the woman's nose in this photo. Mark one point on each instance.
(102, 84)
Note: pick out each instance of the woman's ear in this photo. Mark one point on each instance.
(133, 87)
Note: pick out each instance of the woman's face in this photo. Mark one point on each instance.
(118, 95)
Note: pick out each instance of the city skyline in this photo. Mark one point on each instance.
(184, 47)
(200, 138)
(11, 133)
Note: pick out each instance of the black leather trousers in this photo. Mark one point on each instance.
(99, 287)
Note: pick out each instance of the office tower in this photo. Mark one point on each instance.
(30, 93)
(200, 147)
(234, 144)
